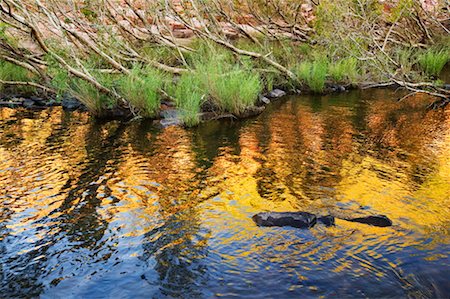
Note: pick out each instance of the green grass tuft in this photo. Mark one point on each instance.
(12, 72)
(189, 98)
(344, 70)
(141, 89)
(432, 62)
(231, 87)
(314, 74)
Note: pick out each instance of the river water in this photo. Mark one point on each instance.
(93, 209)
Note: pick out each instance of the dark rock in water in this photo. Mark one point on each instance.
(263, 100)
(52, 103)
(294, 219)
(167, 122)
(447, 86)
(326, 220)
(27, 103)
(251, 111)
(337, 88)
(38, 101)
(375, 220)
(276, 93)
(169, 113)
(70, 104)
(170, 117)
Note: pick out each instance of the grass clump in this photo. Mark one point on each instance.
(94, 100)
(90, 96)
(314, 74)
(344, 70)
(433, 61)
(231, 86)
(141, 88)
(12, 72)
(189, 96)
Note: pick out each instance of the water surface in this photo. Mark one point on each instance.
(93, 209)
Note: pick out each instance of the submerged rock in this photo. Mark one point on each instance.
(251, 111)
(70, 104)
(276, 93)
(167, 122)
(294, 219)
(326, 220)
(263, 100)
(28, 103)
(170, 117)
(308, 220)
(375, 220)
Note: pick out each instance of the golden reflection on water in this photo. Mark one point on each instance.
(181, 192)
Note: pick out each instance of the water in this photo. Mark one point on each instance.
(109, 210)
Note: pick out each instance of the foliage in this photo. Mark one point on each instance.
(188, 98)
(142, 88)
(344, 70)
(232, 87)
(314, 74)
(12, 72)
(433, 61)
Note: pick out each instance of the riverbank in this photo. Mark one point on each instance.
(169, 113)
(122, 62)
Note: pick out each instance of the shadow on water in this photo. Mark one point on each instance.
(106, 209)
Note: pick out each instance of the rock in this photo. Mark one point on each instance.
(326, 220)
(447, 86)
(170, 117)
(263, 100)
(167, 122)
(294, 219)
(375, 220)
(70, 104)
(38, 101)
(52, 103)
(169, 113)
(27, 103)
(251, 111)
(337, 88)
(276, 93)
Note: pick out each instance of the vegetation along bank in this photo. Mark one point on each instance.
(211, 59)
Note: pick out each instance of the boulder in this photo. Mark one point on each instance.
(167, 122)
(308, 220)
(263, 100)
(276, 93)
(326, 220)
(251, 111)
(375, 220)
(294, 219)
(70, 104)
(38, 101)
(27, 103)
